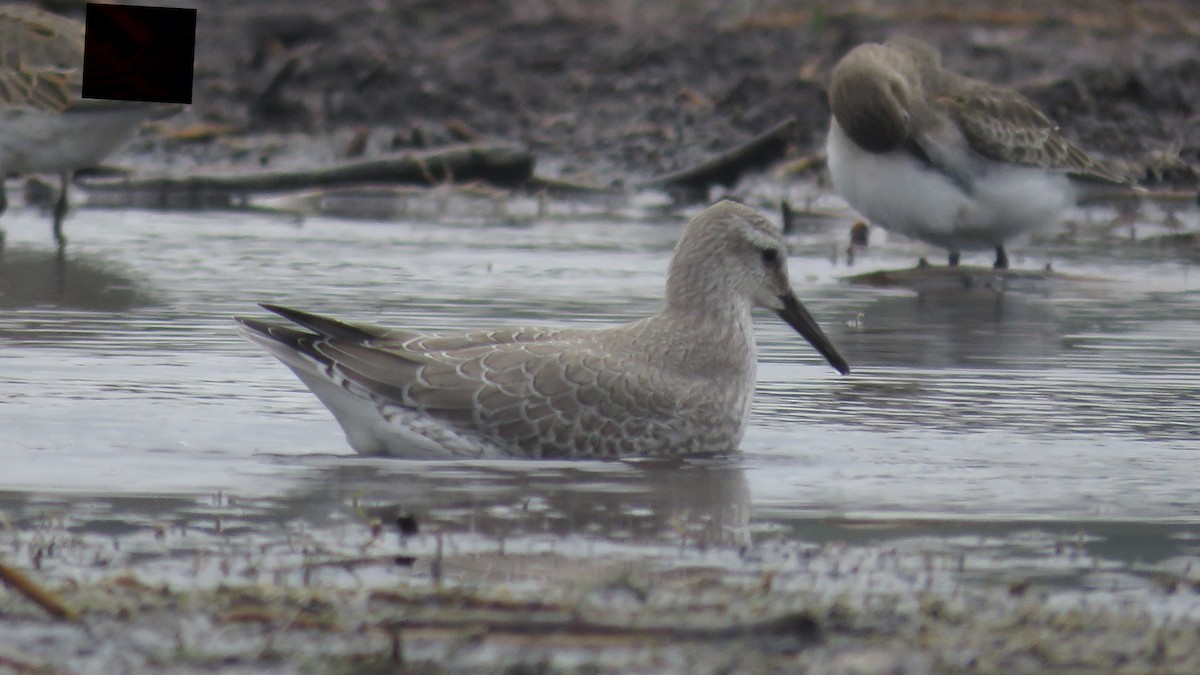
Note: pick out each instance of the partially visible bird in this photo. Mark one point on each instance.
(952, 161)
(45, 126)
(673, 384)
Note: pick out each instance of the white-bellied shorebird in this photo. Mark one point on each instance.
(45, 127)
(673, 384)
(952, 161)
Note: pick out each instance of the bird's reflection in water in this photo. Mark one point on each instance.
(697, 502)
(31, 277)
(347, 508)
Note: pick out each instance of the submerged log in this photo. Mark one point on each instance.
(967, 277)
(726, 168)
(501, 165)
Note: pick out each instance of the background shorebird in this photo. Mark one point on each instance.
(676, 383)
(45, 127)
(947, 159)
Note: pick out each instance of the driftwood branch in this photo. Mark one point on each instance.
(727, 167)
(34, 592)
(501, 165)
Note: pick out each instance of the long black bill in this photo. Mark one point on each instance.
(797, 317)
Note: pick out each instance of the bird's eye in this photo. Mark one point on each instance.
(770, 256)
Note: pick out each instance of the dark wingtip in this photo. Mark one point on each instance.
(323, 326)
(253, 324)
(265, 332)
(286, 312)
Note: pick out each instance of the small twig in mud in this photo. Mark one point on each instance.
(397, 646)
(801, 165)
(200, 133)
(18, 581)
(462, 131)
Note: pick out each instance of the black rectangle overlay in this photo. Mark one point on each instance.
(139, 53)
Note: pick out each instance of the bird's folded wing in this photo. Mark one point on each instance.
(46, 90)
(420, 342)
(1002, 125)
(41, 58)
(521, 392)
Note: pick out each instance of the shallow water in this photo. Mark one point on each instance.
(126, 395)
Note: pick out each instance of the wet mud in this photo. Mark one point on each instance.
(621, 92)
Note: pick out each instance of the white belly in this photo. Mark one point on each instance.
(897, 192)
(49, 142)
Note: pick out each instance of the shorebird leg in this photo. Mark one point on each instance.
(955, 256)
(787, 217)
(3, 208)
(60, 209)
(1001, 259)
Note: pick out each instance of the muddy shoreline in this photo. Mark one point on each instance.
(241, 585)
(622, 93)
